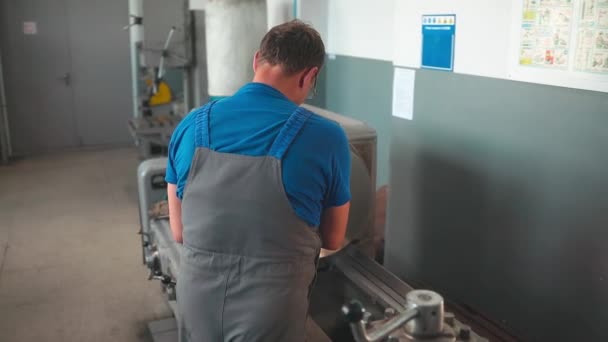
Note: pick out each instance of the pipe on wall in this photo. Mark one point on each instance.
(136, 38)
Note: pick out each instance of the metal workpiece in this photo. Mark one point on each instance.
(424, 320)
(429, 306)
(354, 313)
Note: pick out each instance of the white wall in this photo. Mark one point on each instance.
(483, 34)
(487, 41)
(487, 35)
(361, 28)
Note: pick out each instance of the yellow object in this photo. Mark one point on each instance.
(529, 15)
(163, 95)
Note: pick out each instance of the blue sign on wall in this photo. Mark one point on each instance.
(438, 40)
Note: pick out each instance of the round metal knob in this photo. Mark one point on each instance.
(429, 321)
(353, 311)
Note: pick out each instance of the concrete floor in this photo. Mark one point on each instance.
(70, 259)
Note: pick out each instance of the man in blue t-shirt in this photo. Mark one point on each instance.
(256, 180)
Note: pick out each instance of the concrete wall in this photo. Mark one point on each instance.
(233, 31)
(279, 11)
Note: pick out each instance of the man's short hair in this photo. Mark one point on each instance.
(294, 45)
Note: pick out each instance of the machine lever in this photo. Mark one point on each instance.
(164, 55)
(423, 319)
(354, 313)
(164, 279)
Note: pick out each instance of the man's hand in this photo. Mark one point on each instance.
(333, 226)
(175, 212)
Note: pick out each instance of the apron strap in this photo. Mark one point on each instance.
(289, 132)
(201, 129)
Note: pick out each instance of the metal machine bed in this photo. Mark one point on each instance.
(386, 309)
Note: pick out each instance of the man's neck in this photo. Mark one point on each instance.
(273, 76)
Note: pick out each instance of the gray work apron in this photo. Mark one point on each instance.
(248, 261)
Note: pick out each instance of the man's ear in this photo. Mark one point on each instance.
(311, 74)
(256, 58)
(308, 76)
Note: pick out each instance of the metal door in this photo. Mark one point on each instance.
(101, 70)
(36, 57)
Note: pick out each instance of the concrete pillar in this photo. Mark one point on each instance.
(279, 11)
(233, 31)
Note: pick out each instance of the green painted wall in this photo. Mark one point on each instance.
(362, 89)
(499, 200)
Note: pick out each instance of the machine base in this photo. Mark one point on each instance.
(163, 330)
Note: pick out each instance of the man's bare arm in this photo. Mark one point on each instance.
(333, 226)
(175, 212)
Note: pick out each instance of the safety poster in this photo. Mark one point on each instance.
(438, 39)
(570, 35)
(592, 37)
(545, 33)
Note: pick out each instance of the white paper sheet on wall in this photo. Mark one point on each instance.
(30, 28)
(403, 93)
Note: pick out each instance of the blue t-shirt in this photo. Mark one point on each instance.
(316, 167)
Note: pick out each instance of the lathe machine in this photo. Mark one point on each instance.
(354, 297)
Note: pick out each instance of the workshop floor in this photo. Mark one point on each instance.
(70, 262)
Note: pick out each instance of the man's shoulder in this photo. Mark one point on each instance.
(324, 137)
(189, 121)
(186, 126)
(323, 126)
